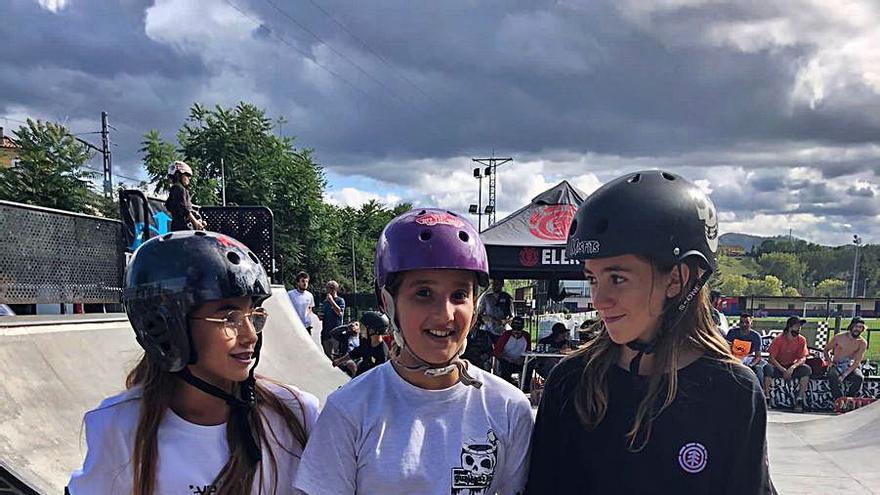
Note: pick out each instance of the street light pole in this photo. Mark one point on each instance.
(858, 243)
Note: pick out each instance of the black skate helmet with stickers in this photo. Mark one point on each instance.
(376, 322)
(169, 276)
(652, 213)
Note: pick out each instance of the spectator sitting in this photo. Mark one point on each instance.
(510, 348)
(371, 350)
(344, 339)
(556, 342)
(844, 353)
(745, 344)
(788, 356)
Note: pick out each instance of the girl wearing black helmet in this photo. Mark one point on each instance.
(656, 403)
(194, 417)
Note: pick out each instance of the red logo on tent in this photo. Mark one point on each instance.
(434, 218)
(528, 256)
(551, 222)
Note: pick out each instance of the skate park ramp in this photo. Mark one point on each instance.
(825, 454)
(54, 369)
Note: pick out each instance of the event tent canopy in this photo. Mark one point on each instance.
(530, 242)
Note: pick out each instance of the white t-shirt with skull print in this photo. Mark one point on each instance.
(379, 434)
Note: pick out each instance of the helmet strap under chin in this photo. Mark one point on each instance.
(429, 369)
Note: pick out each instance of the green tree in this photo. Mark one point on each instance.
(50, 171)
(784, 266)
(832, 288)
(790, 292)
(157, 155)
(768, 286)
(262, 169)
(733, 285)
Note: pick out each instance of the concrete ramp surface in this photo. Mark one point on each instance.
(831, 454)
(55, 369)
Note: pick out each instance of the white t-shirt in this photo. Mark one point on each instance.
(190, 455)
(514, 349)
(379, 434)
(302, 302)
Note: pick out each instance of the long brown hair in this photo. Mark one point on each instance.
(692, 329)
(237, 476)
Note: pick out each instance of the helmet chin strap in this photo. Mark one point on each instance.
(643, 348)
(240, 407)
(429, 369)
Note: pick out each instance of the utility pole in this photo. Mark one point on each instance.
(105, 150)
(492, 163)
(858, 243)
(223, 179)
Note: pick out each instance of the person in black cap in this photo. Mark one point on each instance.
(371, 351)
(788, 357)
(656, 403)
(195, 418)
(844, 353)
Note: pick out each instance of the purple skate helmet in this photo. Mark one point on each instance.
(428, 239)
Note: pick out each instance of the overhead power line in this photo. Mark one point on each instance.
(302, 52)
(370, 49)
(341, 55)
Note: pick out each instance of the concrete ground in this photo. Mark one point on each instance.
(823, 453)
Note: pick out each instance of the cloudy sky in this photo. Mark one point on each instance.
(772, 107)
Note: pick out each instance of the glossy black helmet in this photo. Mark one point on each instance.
(376, 322)
(171, 275)
(653, 213)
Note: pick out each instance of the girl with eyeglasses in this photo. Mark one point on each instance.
(195, 418)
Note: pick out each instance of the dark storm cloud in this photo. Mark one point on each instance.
(862, 191)
(455, 79)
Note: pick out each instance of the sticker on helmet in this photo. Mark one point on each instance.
(229, 242)
(439, 218)
(706, 212)
(577, 248)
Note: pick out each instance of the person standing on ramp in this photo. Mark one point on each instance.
(195, 418)
(183, 216)
(656, 403)
(424, 422)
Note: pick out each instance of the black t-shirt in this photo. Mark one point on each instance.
(369, 355)
(711, 439)
(178, 205)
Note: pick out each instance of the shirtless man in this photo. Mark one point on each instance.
(844, 352)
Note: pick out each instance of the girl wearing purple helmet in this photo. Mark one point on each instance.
(425, 422)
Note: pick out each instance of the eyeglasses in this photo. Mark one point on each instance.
(233, 323)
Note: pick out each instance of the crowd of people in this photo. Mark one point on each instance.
(197, 418)
(788, 355)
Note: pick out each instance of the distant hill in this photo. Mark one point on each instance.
(746, 241)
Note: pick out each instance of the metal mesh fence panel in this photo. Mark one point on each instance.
(53, 256)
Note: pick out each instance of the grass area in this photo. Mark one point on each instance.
(745, 266)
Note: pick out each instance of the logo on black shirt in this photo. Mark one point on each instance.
(693, 457)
